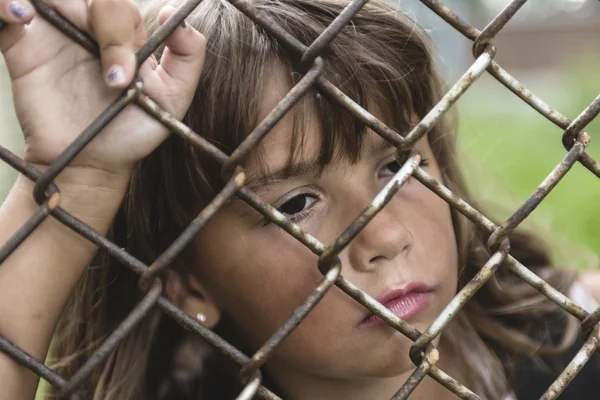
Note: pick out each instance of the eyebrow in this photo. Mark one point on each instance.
(302, 168)
(280, 174)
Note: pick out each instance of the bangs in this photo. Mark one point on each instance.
(341, 133)
(381, 60)
(316, 117)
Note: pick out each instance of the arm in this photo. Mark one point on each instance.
(48, 71)
(36, 280)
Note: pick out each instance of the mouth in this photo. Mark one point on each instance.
(403, 301)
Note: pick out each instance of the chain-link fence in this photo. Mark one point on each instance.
(422, 353)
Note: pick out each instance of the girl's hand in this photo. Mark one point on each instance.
(59, 88)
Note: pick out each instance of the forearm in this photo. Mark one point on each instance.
(37, 278)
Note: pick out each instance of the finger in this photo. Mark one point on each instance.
(16, 11)
(183, 57)
(76, 11)
(115, 24)
(15, 14)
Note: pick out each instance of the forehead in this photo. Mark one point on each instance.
(276, 146)
(298, 137)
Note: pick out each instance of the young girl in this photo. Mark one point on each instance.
(242, 276)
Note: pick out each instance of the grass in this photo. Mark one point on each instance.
(509, 148)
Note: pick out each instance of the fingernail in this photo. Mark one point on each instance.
(184, 24)
(115, 75)
(17, 9)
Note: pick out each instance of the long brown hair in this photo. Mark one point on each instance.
(381, 58)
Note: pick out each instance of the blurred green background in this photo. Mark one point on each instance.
(509, 149)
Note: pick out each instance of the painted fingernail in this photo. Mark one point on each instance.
(184, 24)
(115, 75)
(17, 9)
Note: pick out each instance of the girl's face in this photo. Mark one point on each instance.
(258, 274)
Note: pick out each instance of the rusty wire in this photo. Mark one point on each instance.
(423, 353)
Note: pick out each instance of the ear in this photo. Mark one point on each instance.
(187, 293)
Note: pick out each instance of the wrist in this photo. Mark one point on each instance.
(89, 178)
(88, 194)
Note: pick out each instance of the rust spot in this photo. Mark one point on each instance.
(54, 200)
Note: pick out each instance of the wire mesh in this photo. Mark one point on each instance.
(423, 353)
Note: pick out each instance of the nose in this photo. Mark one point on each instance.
(384, 238)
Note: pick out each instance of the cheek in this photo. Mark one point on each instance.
(435, 239)
(258, 278)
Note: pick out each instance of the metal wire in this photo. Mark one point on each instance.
(423, 353)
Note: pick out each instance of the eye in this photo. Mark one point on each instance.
(297, 204)
(393, 167)
(297, 208)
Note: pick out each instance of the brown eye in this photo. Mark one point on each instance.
(296, 205)
(393, 167)
(297, 208)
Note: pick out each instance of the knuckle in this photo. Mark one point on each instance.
(115, 26)
(111, 49)
(109, 3)
(115, 7)
(202, 39)
(201, 43)
(136, 12)
(110, 41)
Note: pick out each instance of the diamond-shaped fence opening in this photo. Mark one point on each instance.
(423, 352)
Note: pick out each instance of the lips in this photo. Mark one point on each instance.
(403, 301)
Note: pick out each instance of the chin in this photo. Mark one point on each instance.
(390, 368)
(390, 358)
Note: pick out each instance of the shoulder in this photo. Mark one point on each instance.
(535, 374)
